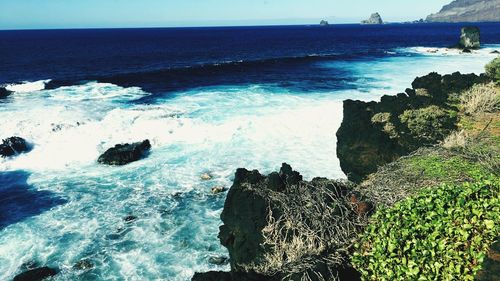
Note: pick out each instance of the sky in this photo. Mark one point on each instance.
(41, 14)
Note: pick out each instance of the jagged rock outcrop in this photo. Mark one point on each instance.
(468, 11)
(13, 146)
(375, 18)
(470, 38)
(324, 23)
(280, 227)
(377, 133)
(123, 154)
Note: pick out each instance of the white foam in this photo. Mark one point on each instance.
(27, 87)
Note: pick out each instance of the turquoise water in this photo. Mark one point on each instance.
(71, 209)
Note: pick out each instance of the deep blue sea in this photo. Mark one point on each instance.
(210, 100)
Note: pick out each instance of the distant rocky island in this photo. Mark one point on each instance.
(468, 11)
(375, 18)
(324, 23)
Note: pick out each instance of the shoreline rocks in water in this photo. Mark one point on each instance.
(376, 133)
(470, 38)
(36, 274)
(122, 154)
(260, 209)
(4, 93)
(375, 18)
(13, 146)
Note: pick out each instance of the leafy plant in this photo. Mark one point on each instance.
(442, 233)
(429, 124)
(493, 69)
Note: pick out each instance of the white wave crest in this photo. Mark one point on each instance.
(27, 87)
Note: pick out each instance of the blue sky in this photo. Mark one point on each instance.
(32, 14)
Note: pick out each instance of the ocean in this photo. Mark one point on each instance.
(210, 100)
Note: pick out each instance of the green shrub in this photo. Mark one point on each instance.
(429, 124)
(493, 70)
(441, 234)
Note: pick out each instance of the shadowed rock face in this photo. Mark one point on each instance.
(468, 11)
(491, 266)
(377, 133)
(123, 154)
(4, 93)
(253, 198)
(470, 38)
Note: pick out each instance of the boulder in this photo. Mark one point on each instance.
(257, 205)
(375, 18)
(13, 146)
(36, 274)
(218, 260)
(85, 264)
(123, 154)
(4, 93)
(470, 38)
(490, 270)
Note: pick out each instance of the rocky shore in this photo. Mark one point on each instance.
(280, 227)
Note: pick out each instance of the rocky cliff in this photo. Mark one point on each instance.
(468, 11)
(376, 133)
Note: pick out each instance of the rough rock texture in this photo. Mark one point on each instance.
(491, 265)
(377, 133)
(264, 215)
(375, 18)
(468, 11)
(36, 274)
(470, 38)
(123, 154)
(212, 276)
(12, 146)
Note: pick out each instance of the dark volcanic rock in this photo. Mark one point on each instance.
(12, 146)
(4, 93)
(376, 133)
(36, 274)
(123, 154)
(254, 197)
(84, 264)
(470, 38)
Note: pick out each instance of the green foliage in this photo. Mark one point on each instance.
(445, 169)
(442, 233)
(429, 124)
(493, 70)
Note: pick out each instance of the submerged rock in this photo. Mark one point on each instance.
(218, 189)
(84, 264)
(123, 154)
(12, 146)
(206, 176)
(375, 18)
(470, 38)
(36, 274)
(130, 219)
